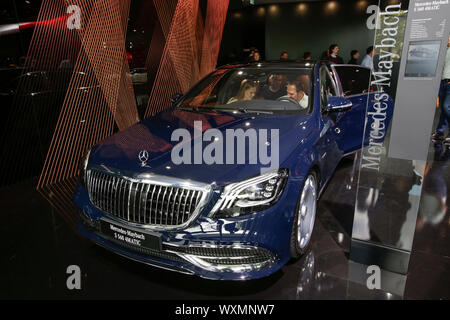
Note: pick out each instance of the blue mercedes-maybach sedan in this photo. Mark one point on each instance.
(224, 184)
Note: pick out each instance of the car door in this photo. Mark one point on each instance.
(353, 83)
(329, 152)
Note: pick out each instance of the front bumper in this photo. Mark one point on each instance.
(234, 261)
(248, 247)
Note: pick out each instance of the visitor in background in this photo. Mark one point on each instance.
(249, 58)
(255, 57)
(368, 59)
(284, 56)
(307, 55)
(444, 99)
(334, 54)
(354, 56)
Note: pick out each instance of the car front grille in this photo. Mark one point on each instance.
(140, 202)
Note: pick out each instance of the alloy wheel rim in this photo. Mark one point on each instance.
(306, 212)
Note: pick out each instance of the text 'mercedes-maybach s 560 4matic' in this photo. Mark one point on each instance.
(225, 219)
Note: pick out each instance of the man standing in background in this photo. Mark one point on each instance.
(334, 54)
(444, 99)
(368, 59)
(354, 56)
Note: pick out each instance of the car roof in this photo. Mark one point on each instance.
(290, 64)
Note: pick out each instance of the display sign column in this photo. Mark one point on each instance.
(410, 45)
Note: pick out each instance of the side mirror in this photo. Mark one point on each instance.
(176, 97)
(338, 104)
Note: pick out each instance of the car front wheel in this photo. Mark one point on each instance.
(305, 217)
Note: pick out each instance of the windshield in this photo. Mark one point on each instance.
(252, 89)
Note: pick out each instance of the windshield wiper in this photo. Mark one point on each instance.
(244, 110)
(224, 110)
(195, 109)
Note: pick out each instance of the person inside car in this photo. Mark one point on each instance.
(247, 91)
(296, 92)
(275, 87)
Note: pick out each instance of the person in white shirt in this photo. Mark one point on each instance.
(444, 99)
(368, 59)
(295, 91)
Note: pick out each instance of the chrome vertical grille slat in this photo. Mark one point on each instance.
(128, 203)
(91, 184)
(168, 205)
(190, 202)
(110, 193)
(98, 186)
(151, 205)
(161, 212)
(120, 198)
(179, 205)
(138, 200)
(156, 204)
(142, 202)
(173, 205)
(124, 204)
(103, 192)
(147, 188)
(184, 205)
(117, 196)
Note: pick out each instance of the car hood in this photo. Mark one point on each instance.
(153, 135)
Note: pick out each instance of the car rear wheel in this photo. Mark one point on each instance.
(305, 217)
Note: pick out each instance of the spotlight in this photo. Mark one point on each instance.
(237, 15)
(274, 9)
(261, 11)
(331, 7)
(302, 8)
(361, 5)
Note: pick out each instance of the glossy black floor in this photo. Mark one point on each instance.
(37, 246)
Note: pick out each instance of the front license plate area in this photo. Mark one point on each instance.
(130, 236)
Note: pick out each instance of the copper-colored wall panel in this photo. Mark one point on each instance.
(98, 96)
(215, 22)
(190, 52)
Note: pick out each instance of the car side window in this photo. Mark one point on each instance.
(326, 87)
(354, 79)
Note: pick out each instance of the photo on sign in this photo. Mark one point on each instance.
(422, 59)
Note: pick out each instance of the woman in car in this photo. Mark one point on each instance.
(247, 91)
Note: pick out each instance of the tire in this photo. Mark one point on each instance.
(305, 216)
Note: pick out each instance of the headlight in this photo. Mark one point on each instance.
(83, 166)
(251, 195)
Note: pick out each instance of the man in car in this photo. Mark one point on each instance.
(296, 92)
(275, 88)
